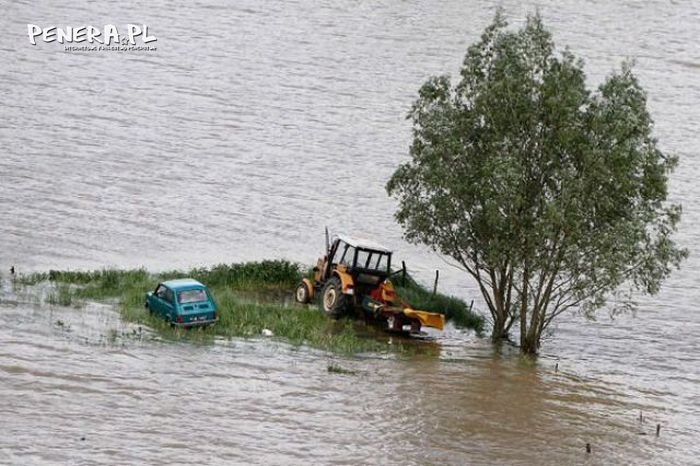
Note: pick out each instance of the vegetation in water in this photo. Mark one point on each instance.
(549, 195)
(336, 369)
(62, 295)
(248, 302)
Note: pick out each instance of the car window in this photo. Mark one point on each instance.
(160, 291)
(191, 296)
(169, 295)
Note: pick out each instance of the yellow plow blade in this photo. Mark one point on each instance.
(427, 319)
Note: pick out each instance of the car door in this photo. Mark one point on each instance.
(169, 304)
(157, 301)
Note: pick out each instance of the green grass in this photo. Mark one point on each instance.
(240, 316)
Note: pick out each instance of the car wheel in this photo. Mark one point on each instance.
(301, 294)
(333, 302)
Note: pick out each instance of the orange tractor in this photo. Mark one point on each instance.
(353, 278)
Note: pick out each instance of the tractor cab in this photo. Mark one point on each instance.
(368, 263)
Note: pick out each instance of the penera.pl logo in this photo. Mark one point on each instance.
(90, 38)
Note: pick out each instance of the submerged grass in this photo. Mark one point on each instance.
(61, 295)
(238, 317)
(336, 369)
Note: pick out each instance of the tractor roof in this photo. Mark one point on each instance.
(364, 243)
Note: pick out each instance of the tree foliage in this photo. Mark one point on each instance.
(551, 196)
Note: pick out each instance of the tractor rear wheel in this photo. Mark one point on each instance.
(333, 302)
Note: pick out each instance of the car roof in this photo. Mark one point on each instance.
(182, 283)
(363, 243)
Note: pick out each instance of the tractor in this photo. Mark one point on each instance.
(352, 278)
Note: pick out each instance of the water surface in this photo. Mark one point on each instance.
(249, 129)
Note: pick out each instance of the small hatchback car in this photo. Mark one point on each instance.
(184, 303)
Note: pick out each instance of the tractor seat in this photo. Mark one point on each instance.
(367, 279)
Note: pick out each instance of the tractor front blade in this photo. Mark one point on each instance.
(427, 319)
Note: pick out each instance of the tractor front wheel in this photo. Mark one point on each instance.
(302, 294)
(333, 302)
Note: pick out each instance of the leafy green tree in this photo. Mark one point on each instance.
(549, 195)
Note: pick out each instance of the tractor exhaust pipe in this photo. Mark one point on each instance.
(328, 242)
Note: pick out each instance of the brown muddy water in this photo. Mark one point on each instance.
(251, 127)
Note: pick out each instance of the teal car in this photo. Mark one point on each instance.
(184, 303)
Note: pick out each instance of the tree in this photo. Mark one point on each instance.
(551, 196)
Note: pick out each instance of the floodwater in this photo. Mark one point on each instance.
(251, 127)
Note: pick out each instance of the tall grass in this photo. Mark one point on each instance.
(246, 276)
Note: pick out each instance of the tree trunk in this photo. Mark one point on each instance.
(529, 344)
(498, 331)
(493, 296)
(530, 337)
(523, 310)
